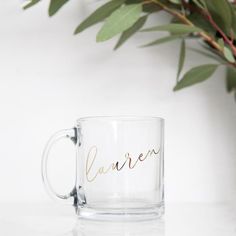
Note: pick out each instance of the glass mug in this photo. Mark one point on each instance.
(119, 167)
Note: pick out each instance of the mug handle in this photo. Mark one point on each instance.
(67, 133)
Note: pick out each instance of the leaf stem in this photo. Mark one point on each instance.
(186, 21)
(203, 34)
(226, 39)
(208, 17)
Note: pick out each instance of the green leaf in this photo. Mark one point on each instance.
(196, 75)
(148, 6)
(176, 1)
(229, 55)
(221, 13)
(231, 79)
(167, 3)
(100, 14)
(199, 3)
(163, 40)
(174, 28)
(233, 14)
(181, 58)
(30, 4)
(55, 5)
(129, 2)
(207, 47)
(211, 55)
(221, 43)
(119, 21)
(200, 22)
(151, 7)
(131, 31)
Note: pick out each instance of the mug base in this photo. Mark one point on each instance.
(132, 214)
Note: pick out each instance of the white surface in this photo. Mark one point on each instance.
(48, 78)
(180, 220)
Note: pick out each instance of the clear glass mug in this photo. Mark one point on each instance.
(119, 167)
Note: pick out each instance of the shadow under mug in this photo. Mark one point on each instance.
(119, 167)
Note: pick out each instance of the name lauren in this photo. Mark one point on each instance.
(92, 174)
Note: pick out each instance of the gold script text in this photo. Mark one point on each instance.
(92, 174)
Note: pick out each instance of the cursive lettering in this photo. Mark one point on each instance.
(92, 174)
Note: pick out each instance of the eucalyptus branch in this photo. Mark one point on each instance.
(218, 29)
(173, 12)
(204, 35)
(126, 18)
(209, 18)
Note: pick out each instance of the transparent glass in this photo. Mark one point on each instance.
(119, 165)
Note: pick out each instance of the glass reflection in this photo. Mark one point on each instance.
(91, 228)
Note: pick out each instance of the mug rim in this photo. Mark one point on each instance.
(120, 118)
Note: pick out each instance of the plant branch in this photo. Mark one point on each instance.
(203, 34)
(208, 17)
(226, 39)
(186, 21)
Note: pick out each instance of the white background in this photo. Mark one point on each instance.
(48, 78)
